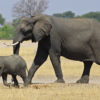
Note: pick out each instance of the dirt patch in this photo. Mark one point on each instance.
(40, 86)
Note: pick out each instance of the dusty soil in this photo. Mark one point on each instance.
(43, 86)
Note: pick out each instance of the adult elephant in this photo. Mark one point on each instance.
(76, 39)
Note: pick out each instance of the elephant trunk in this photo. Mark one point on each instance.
(16, 47)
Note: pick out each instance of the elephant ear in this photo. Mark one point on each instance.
(41, 29)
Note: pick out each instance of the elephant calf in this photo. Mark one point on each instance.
(14, 65)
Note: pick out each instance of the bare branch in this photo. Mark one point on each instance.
(28, 8)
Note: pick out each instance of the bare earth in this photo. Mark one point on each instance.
(43, 87)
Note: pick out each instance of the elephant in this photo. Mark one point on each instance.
(13, 65)
(76, 39)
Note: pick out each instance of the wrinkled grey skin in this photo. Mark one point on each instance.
(76, 39)
(14, 65)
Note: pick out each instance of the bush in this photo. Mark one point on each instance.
(7, 32)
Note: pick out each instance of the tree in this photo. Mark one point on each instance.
(68, 14)
(2, 20)
(28, 8)
(94, 15)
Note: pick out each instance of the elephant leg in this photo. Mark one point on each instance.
(86, 72)
(24, 79)
(23, 76)
(40, 58)
(4, 77)
(15, 81)
(55, 59)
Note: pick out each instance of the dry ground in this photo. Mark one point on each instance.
(43, 87)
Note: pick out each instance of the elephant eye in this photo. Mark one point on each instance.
(24, 33)
(27, 24)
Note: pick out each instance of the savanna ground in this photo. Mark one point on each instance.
(43, 87)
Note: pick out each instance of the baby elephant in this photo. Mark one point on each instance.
(14, 65)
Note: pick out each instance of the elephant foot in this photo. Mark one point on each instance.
(59, 81)
(16, 86)
(27, 82)
(8, 85)
(84, 79)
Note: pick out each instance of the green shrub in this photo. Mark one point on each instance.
(7, 32)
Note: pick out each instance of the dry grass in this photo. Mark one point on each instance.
(44, 88)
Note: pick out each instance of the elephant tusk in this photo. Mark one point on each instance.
(9, 44)
(14, 44)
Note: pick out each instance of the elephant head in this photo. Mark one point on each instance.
(1, 69)
(34, 28)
